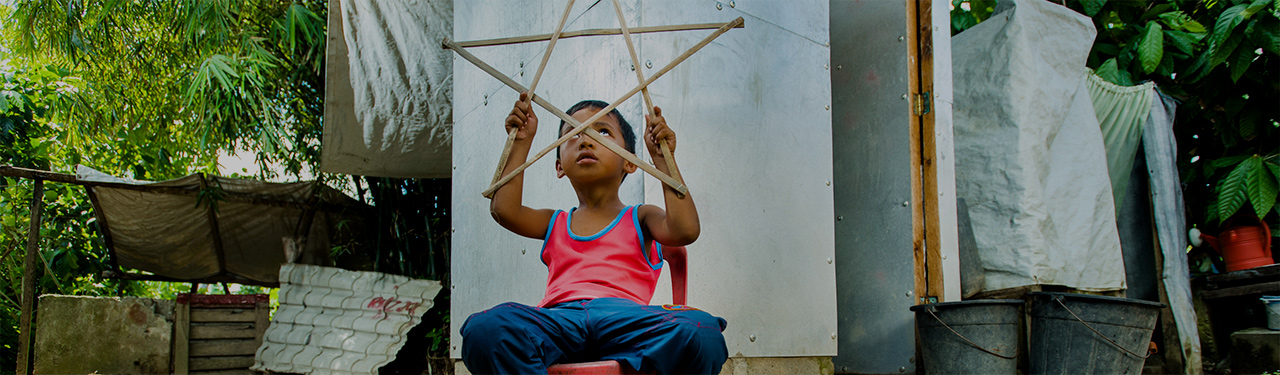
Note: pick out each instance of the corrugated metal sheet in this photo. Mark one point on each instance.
(334, 321)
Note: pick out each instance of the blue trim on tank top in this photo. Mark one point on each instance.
(568, 226)
(635, 219)
(547, 237)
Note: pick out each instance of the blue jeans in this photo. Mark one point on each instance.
(512, 338)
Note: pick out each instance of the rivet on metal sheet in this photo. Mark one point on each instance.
(486, 99)
(902, 38)
(908, 293)
(838, 67)
(648, 64)
(731, 5)
(844, 369)
(839, 218)
(633, 67)
(833, 335)
(826, 66)
(753, 338)
(718, 6)
(904, 96)
(522, 251)
(912, 359)
(905, 203)
(902, 369)
(828, 182)
(828, 107)
(829, 262)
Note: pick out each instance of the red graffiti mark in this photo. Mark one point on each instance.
(386, 305)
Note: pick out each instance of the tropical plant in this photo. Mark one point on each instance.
(1219, 59)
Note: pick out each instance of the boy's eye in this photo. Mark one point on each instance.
(605, 132)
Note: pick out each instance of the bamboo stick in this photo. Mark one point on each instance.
(511, 136)
(581, 126)
(648, 102)
(578, 127)
(589, 32)
(29, 270)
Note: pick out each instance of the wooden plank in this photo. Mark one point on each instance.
(1264, 272)
(934, 283)
(241, 362)
(1171, 347)
(591, 32)
(207, 331)
(919, 258)
(181, 338)
(262, 319)
(207, 315)
(1268, 287)
(29, 274)
(216, 348)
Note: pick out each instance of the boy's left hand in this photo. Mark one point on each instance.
(656, 131)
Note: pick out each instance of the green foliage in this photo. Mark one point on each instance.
(1219, 59)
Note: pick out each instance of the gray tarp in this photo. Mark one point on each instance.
(160, 228)
(1030, 160)
(388, 89)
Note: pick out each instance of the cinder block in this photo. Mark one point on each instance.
(1255, 351)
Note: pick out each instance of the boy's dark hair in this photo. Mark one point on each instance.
(628, 135)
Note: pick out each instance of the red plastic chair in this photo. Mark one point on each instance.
(677, 260)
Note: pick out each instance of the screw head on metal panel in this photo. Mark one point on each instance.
(904, 96)
(648, 64)
(718, 6)
(905, 203)
(838, 67)
(902, 38)
(753, 338)
(908, 293)
(633, 67)
(902, 369)
(844, 369)
(828, 107)
(833, 335)
(829, 262)
(912, 359)
(522, 251)
(828, 182)
(839, 218)
(486, 99)
(731, 4)
(826, 66)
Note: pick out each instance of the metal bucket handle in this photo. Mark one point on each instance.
(1059, 298)
(944, 324)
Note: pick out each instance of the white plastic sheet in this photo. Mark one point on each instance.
(1030, 160)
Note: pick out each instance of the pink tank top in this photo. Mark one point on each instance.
(616, 262)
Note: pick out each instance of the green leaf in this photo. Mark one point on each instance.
(1241, 60)
(1091, 7)
(1253, 8)
(1183, 41)
(1109, 71)
(1231, 191)
(1227, 22)
(1247, 123)
(1261, 186)
(1223, 51)
(1193, 27)
(1151, 48)
(1175, 19)
(1265, 31)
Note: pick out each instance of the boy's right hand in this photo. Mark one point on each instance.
(522, 119)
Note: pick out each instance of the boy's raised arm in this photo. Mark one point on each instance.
(507, 206)
(678, 225)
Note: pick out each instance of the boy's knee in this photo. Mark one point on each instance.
(501, 319)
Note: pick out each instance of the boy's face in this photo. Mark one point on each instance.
(582, 159)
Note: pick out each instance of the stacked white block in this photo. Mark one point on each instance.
(334, 321)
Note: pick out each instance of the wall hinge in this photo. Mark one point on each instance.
(921, 103)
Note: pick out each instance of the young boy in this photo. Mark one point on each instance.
(603, 264)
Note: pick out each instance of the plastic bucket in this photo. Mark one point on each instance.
(1272, 305)
(974, 337)
(1084, 334)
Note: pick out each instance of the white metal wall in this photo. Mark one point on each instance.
(752, 114)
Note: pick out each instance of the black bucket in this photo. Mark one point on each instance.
(969, 337)
(1084, 334)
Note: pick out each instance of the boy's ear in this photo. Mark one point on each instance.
(559, 169)
(629, 167)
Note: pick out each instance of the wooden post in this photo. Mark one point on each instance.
(29, 270)
(182, 335)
